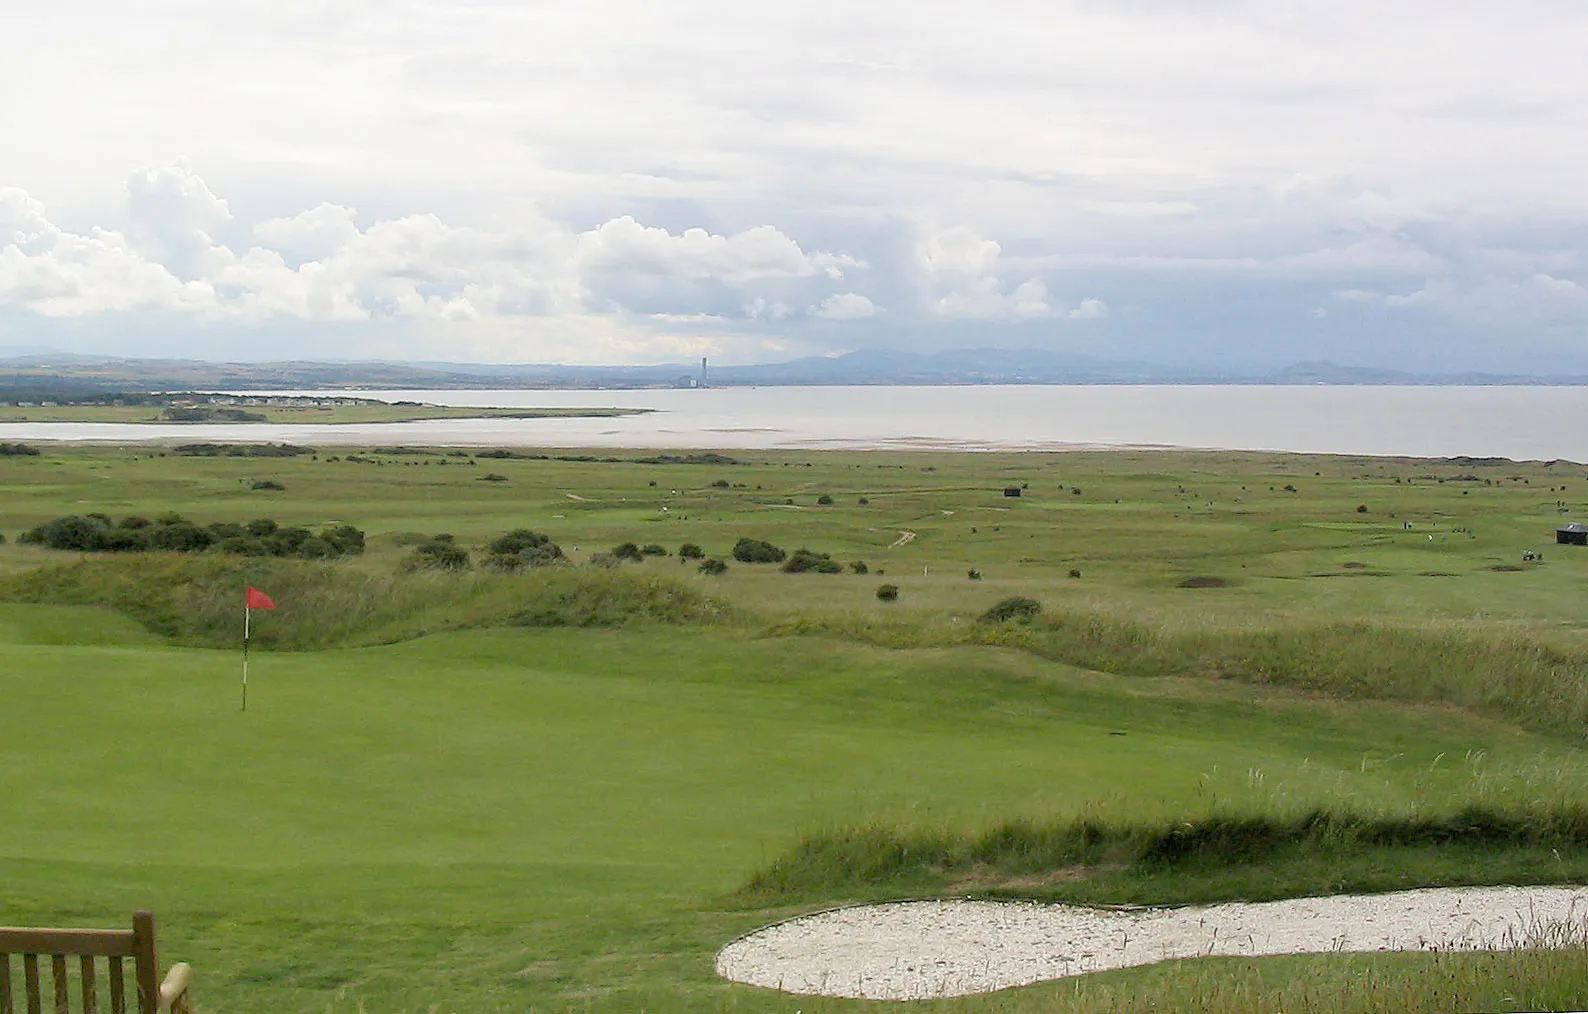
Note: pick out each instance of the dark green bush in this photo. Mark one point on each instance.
(713, 567)
(824, 500)
(690, 551)
(888, 592)
(627, 551)
(440, 553)
(18, 451)
(522, 548)
(858, 566)
(652, 549)
(1017, 607)
(749, 550)
(805, 560)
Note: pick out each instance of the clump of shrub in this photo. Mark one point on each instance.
(824, 500)
(266, 484)
(18, 451)
(488, 476)
(440, 552)
(749, 550)
(805, 560)
(1016, 607)
(522, 548)
(720, 484)
(973, 574)
(887, 592)
(652, 549)
(627, 551)
(713, 567)
(690, 551)
(858, 566)
(99, 533)
(240, 450)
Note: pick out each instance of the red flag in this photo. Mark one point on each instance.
(259, 600)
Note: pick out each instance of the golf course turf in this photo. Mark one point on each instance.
(566, 789)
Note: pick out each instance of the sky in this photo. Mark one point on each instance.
(1221, 183)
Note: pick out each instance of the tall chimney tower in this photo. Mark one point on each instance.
(702, 371)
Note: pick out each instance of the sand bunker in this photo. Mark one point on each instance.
(923, 949)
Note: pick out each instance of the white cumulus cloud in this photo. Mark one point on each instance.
(846, 306)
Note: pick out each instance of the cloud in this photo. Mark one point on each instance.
(960, 273)
(60, 274)
(311, 234)
(1088, 309)
(964, 278)
(846, 306)
(1532, 301)
(760, 253)
(321, 265)
(173, 214)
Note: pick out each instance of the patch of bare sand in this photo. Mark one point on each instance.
(924, 949)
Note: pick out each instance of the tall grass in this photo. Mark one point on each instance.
(198, 600)
(860, 859)
(195, 599)
(1494, 671)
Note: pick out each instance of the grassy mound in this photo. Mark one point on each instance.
(1215, 857)
(1493, 671)
(198, 600)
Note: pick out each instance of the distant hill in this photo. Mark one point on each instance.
(65, 372)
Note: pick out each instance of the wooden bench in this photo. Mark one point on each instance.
(57, 945)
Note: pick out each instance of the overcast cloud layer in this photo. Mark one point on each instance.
(1219, 183)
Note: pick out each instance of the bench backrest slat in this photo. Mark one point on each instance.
(90, 999)
(63, 998)
(118, 989)
(30, 975)
(59, 945)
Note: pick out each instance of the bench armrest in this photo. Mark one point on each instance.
(173, 991)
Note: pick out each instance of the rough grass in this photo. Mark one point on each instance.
(197, 600)
(1029, 858)
(1499, 672)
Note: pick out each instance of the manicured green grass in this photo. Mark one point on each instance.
(511, 819)
(553, 791)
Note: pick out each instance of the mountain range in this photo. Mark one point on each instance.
(46, 370)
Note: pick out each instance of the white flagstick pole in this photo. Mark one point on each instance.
(247, 616)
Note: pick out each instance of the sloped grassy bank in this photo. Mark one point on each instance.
(197, 600)
(1213, 857)
(1494, 671)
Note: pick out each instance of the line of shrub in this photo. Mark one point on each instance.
(241, 450)
(99, 533)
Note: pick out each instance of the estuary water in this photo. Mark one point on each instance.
(1512, 422)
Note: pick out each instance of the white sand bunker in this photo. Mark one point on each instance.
(923, 949)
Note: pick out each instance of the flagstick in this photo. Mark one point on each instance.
(247, 615)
